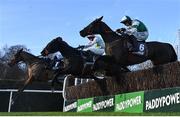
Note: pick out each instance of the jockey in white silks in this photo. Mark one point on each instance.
(96, 45)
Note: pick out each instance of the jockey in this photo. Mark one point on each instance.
(54, 60)
(135, 29)
(95, 45)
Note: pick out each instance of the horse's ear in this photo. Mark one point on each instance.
(21, 50)
(99, 19)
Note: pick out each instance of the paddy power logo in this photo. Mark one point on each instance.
(129, 102)
(85, 105)
(70, 107)
(105, 103)
(163, 101)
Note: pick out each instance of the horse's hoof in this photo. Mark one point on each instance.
(99, 75)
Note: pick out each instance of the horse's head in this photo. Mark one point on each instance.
(92, 28)
(16, 58)
(52, 46)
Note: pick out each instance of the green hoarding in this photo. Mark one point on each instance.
(164, 100)
(104, 104)
(160, 100)
(70, 106)
(129, 102)
(85, 105)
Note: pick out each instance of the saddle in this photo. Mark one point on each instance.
(138, 48)
(142, 49)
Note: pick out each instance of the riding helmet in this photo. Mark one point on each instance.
(125, 19)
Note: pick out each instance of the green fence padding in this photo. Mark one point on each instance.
(85, 105)
(158, 100)
(70, 106)
(104, 104)
(162, 100)
(129, 102)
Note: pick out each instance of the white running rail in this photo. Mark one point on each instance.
(31, 91)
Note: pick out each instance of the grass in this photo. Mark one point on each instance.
(87, 114)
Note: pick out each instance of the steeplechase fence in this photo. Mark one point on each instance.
(155, 89)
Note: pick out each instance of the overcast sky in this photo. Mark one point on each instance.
(35, 22)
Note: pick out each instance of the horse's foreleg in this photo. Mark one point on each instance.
(103, 86)
(21, 89)
(55, 79)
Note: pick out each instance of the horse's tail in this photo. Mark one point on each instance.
(174, 55)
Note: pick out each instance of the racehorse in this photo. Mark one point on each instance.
(117, 51)
(74, 63)
(37, 69)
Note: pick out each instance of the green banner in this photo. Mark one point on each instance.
(70, 106)
(165, 100)
(129, 102)
(104, 104)
(85, 105)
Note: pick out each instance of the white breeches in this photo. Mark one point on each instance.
(96, 50)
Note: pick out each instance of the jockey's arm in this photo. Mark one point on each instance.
(91, 43)
(120, 30)
(131, 31)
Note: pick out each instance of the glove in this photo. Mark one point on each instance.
(121, 30)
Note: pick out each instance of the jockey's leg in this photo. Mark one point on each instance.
(97, 51)
(134, 43)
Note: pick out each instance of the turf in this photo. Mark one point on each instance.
(86, 114)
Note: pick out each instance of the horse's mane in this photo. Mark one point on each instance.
(109, 30)
(30, 57)
(68, 48)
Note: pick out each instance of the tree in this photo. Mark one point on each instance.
(18, 71)
(9, 52)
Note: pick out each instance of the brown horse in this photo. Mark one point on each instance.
(37, 69)
(117, 50)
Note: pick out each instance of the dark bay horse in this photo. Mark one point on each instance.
(37, 69)
(74, 63)
(116, 49)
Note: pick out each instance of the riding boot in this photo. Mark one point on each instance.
(89, 56)
(134, 43)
